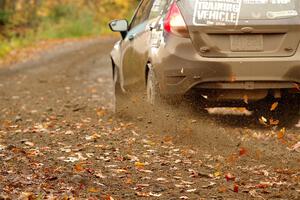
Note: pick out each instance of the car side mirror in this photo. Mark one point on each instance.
(119, 26)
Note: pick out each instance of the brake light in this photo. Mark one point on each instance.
(174, 22)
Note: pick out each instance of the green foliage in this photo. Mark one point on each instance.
(62, 11)
(13, 43)
(25, 22)
(68, 21)
(4, 17)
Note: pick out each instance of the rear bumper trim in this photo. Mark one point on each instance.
(247, 85)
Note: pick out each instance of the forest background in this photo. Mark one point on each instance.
(25, 22)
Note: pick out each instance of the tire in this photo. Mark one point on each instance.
(153, 94)
(154, 97)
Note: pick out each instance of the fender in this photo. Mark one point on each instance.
(116, 59)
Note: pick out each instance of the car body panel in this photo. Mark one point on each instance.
(247, 37)
(180, 66)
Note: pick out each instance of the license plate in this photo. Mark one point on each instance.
(241, 43)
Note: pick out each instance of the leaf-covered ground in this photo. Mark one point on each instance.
(60, 140)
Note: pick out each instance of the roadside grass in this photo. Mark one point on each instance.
(64, 21)
(6, 46)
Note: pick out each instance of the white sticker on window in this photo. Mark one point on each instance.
(263, 2)
(217, 12)
(280, 2)
(256, 2)
(156, 6)
(282, 14)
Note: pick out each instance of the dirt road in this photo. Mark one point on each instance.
(59, 138)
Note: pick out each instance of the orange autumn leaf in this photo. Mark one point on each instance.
(246, 99)
(222, 189)
(274, 106)
(78, 167)
(129, 181)
(93, 190)
(108, 197)
(281, 133)
(274, 122)
(242, 151)
(139, 164)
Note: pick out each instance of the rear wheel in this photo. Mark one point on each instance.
(153, 94)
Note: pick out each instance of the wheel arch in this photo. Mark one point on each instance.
(113, 66)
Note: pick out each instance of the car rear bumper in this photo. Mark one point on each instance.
(179, 68)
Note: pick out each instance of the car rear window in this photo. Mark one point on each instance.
(222, 12)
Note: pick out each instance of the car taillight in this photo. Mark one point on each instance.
(174, 22)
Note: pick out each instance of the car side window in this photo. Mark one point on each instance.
(142, 13)
(157, 8)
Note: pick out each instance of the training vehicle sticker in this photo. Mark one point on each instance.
(216, 12)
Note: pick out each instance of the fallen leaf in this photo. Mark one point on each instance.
(69, 133)
(217, 174)
(92, 137)
(191, 190)
(274, 106)
(246, 99)
(78, 167)
(183, 197)
(100, 175)
(139, 165)
(210, 185)
(31, 144)
(222, 189)
(263, 185)
(178, 161)
(296, 147)
(242, 151)
(108, 197)
(254, 194)
(27, 196)
(143, 185)
(142, 194)
(263, 121)
(71, 159)
(230, 177)
(93, 190)
(161, 179)
(101, 112)
(274, 122)
(129, 181)
(145, 171)
(154, 194)
(281, 133)
(118, 171)
(236, 188)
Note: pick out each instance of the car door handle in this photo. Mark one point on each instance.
(131, 37)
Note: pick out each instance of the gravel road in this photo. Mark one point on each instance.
(59, 139)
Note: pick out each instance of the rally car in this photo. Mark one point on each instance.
(225, 52)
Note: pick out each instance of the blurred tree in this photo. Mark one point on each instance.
(18, 16)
